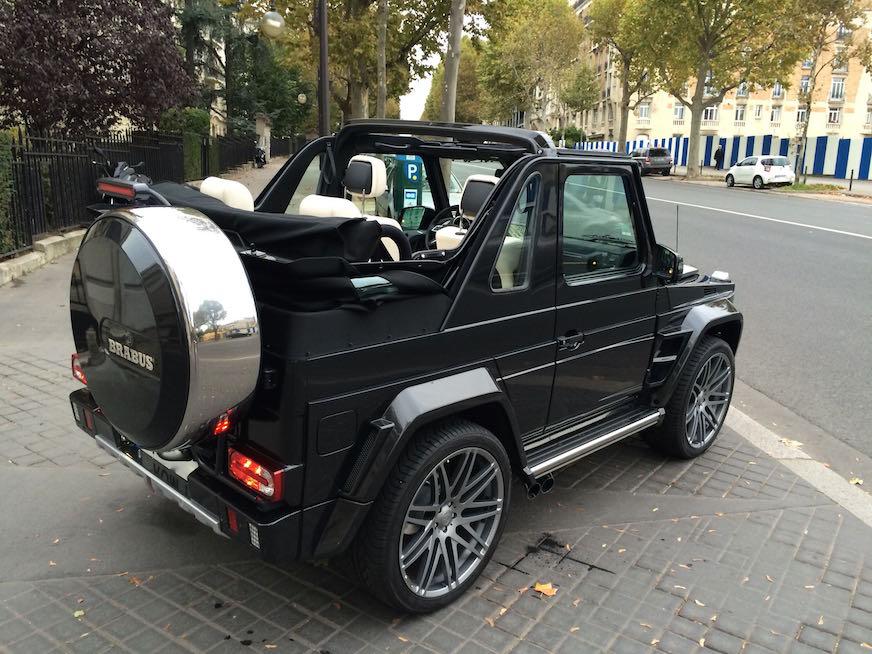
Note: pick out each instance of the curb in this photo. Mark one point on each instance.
(45, 250)
(846, 196)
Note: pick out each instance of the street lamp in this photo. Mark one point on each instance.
(323, 81)
(272, 24)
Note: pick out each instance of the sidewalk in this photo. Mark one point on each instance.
(731, 552)
(860, 187)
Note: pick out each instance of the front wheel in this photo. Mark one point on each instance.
(730, 181)
(438, 519)
(698, 406)
(758, 182)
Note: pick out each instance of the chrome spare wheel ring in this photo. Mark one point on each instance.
(451, 522)
(709, 400)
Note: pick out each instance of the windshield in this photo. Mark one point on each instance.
(659, 152)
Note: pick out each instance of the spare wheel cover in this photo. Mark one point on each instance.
(165, 323)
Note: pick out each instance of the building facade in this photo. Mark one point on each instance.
(841, 106)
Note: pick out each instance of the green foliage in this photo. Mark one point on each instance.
(579, 90)
(571, 134)
(468, 108)
(187, 119)
(6, 236)
(192, 154)
(530, 46)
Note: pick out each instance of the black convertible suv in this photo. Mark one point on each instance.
(305, 375)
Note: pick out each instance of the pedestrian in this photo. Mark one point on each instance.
(719, 158)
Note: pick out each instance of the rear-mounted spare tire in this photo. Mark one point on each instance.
(165, 324)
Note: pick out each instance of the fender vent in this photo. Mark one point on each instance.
(380, 427)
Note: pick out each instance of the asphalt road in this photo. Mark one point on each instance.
(803, 273)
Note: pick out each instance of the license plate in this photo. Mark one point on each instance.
(163, 472)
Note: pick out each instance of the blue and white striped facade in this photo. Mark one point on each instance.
(827, 155)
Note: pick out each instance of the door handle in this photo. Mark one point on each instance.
(570, 341)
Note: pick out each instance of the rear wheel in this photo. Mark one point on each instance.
(438, 519)
(730, 180)
(758, 182)
(698, 406)
(665, 172)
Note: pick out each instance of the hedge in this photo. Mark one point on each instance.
(7, 239)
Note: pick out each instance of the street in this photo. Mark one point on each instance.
(740, 550)
(805, 293)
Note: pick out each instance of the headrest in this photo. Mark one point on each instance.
(476, 191)
(231, 193)
(324, 206)
(365, 176)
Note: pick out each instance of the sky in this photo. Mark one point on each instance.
(412, 104)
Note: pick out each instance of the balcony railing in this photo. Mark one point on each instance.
(834, 127)
(678, 121)
(643, 121)
(775, 123)
(739, 123)
(710, 124)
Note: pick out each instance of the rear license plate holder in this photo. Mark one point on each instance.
(164, 473)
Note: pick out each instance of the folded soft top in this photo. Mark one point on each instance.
(282, 235)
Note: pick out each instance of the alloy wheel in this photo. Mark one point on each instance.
(709, 400)
(451, 522)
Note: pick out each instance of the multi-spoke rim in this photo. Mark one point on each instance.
(451, 522)
(709, 400)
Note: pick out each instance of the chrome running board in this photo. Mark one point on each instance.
(581, 450)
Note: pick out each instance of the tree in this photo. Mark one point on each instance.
(716, 45)
(414, 33)
(829, 29)
(530, 45)
(468, 105)
(619, 25)
(451, 62)
(82, 66)
(578, 91)
(382, 94)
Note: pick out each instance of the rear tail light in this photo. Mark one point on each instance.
(232, 521)
(78, 372)
(261, 476)
(116, 190)
(223, 423)
(647, 159)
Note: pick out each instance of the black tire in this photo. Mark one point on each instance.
(758, 182)
(730, 181)
(671, 436)
(665, 172)
(376, 550)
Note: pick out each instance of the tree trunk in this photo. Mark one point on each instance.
(696, 108)
(381, 99)
(803, 144)
(452, 61)
(625, 109)
(189, 35)
(359, 97)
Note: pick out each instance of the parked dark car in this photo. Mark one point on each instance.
(306, 384)
(653, 160)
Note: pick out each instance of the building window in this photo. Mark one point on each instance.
(758, 111)
(775, 115)
(840, 61)
(806, 63)
(742, 91)
(834, 116)
(709, 89)
(804, 84)
(801, 114)
(740, 113)
(678, 111)
(843, 32)
(837, 88)
(869, 116)
(777, 90)
(645, 110)
(710, 113)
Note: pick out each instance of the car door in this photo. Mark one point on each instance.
(605, 317)
(745, 170)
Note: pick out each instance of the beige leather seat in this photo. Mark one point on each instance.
(366, 178)
(324, 206)
(231, 193)
(476, 191)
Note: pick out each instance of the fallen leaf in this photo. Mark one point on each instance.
(821, 620)
(856, 481)
(119, 509)
(678, 539)
(568, 548)
(503, 610)
(655, 641)
(791, 443)
(51, 564)
(646, 625)
(572, 630)
(56, 541)
(136, 581)
(78, 614)
(403, 638)
(490, 621)
(656, 508)
(681, 587)
(546, 589)
(270, 646)
(714, 618)
(523, 589)
(698, 603)
(621, 551)
(104, 474)
(809, 587)
(702, 642)
(576, 602)
(769, 579)
(865, 645)
(684, 565)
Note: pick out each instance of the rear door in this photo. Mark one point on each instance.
(606, 293)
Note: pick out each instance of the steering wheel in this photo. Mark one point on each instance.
(444, 218)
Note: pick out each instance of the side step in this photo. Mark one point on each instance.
(560, 453)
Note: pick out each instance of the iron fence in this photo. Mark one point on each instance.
(285, 147)
(49, 179)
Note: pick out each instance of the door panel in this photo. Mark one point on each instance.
(606, 293)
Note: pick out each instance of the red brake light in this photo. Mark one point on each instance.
(647, 159)
(116, 190)
(264, 479)
(232, 521)
(78, 372)
(223, 424)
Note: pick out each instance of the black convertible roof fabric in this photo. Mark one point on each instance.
(282, 235)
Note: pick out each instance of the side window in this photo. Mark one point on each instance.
(512, 267)
(307, 186)
(597, 223)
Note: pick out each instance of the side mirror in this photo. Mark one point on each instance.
(668, 264)
(412, 217)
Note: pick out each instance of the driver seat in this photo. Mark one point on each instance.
(476, 191)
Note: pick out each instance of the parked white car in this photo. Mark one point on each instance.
(761, 171)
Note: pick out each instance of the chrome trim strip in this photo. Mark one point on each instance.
(572, 455)
(201, 514)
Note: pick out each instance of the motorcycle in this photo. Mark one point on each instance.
(259, 157)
